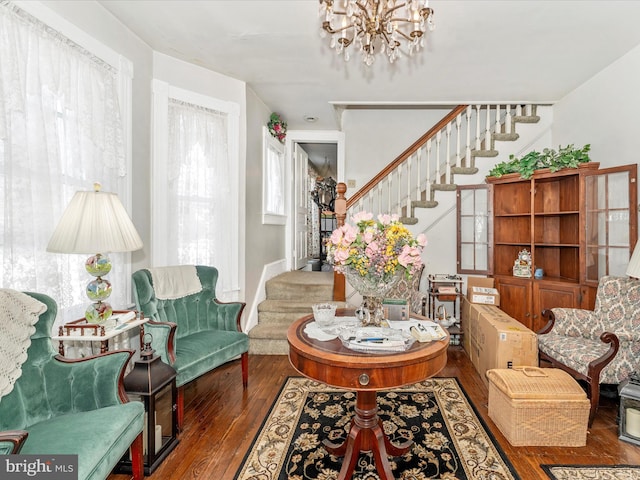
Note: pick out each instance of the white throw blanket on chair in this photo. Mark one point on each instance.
(175, 282)
(19, 313)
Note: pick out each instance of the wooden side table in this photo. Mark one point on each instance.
(82, 331)
(332, 363)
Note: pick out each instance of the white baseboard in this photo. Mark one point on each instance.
(268, 272)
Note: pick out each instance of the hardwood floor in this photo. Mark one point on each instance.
(221, 420)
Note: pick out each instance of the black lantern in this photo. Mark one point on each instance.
(154, 383)
(629, 426)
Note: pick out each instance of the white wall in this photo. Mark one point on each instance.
(265, 243)
(375, 137)
(604, 112)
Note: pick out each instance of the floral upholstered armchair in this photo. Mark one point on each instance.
(599, 346)
(409, 290)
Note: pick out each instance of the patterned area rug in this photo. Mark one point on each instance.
(592, 472)
(450, 440)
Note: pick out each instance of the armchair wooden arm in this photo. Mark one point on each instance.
(15, 437)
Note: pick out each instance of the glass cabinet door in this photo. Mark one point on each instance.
(610, 221)
(475, 239)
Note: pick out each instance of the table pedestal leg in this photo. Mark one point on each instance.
(366, 435)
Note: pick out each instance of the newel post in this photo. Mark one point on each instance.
(340, 209)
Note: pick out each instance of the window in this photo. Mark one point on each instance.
(196, 183)
(273, 176)
(68, 129)
(474, 229)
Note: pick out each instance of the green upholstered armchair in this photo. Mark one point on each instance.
(63, 406)
(195, 333)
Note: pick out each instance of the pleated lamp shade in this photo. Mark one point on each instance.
(94, 222)
(633, 270)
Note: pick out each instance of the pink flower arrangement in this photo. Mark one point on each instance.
(277, 127)
(376, 249)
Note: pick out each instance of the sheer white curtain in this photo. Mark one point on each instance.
(201, 213)
(60, 130)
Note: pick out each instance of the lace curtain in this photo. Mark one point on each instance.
(200, 193)
(60, 130)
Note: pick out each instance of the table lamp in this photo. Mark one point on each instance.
(95, 221)
(633, 270)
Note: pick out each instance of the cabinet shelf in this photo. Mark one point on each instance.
(511, 215)
(568, 212)
(513, 244)
(553, 245)
(557, 218)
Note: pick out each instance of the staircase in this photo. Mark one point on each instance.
(410, 182)
(289, 296)
(447, 150)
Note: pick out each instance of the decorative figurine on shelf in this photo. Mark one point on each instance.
(522, 265)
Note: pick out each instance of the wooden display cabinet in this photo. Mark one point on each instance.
(578, 224)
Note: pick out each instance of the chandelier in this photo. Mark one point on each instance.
(376, 26)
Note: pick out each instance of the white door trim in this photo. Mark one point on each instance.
(306, 136)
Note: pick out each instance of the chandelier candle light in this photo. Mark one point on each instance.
(373, 255)
(376, 25)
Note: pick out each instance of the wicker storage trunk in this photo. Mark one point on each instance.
(538, 407)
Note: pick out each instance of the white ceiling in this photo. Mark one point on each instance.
(500, 50)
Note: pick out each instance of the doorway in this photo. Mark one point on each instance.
(324, 151)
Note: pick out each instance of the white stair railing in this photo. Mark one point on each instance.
(431, 162)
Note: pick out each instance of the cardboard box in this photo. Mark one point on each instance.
(481, 290)
(493, 339)
(466, 325)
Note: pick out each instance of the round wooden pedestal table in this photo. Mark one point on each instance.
(365, 373)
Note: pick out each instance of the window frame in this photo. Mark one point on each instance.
(162, 91)
(270, 188)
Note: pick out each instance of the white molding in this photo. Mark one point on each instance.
(69, 30)
(162, 92)
(159, 151)
(270, 217)
(307, 136)
(269, 271)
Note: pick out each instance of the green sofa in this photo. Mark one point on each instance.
(63, 406)
(195, 333)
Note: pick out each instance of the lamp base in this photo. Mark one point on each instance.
(98, 312)
(98, 289)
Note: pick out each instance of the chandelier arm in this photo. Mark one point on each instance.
(327, 26)
(389, 12)
(364, 10)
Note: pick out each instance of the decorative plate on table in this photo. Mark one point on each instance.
(331, 331)
(313, 330)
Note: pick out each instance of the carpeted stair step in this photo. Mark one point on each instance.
(289, 296)
(269, 339)
(313, 287)
(281, 311)
(526, 119)
(464, 170)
